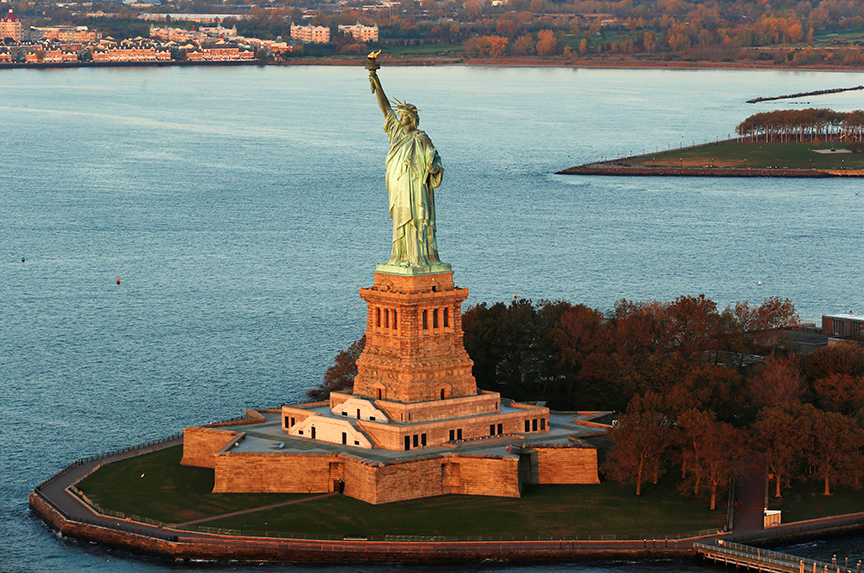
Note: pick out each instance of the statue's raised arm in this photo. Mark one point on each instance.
(414, 171)
(373, 66)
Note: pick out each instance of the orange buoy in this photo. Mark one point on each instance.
(118, 281)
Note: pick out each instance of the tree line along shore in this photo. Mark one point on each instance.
(811, 142)
(740, 32)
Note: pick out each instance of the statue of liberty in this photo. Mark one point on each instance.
(414, 170)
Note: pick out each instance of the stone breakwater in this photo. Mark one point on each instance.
(805, 94)
(627, 170)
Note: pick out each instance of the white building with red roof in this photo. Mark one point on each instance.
(10, 27)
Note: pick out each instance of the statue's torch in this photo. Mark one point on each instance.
(372, 65)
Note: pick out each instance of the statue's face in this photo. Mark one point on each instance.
(407, 120)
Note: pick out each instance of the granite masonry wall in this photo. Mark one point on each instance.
(565, 464)
(201, 443)
(372, 482)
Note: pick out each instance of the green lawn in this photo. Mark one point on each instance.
(155, 485)
(759, 155)
(844, 36)
(804, 500)
(171, 493)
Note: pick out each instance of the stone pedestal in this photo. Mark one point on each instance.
(414, 350)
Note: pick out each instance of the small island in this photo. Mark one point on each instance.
(783, 143)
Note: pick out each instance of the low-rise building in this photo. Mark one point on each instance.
(360, 32)
(10, 27)
(226, 54)
(311, 34)
(68, 33)
(132, 54)
(842, 325)
(50, 56)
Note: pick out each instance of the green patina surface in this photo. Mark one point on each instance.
(172, 493)
(755, 155)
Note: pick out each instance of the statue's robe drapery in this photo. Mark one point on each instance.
(412, 199)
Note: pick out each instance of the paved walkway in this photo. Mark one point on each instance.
(254, 509)
(750, 500)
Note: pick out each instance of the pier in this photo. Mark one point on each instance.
(766, 560)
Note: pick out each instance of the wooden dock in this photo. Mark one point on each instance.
(766, 560)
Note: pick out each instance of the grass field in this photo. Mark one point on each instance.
(156, 486)
(755, 155)
(804, 500)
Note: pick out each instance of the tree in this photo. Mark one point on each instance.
(472, 9)
(341, 375)
(779, 433)
(546, 43)
(777, 380)
(842, 358)
(832, 447)
(523, 45)
(840, 393)
(491, 46)
(639, 438)
(716, 450)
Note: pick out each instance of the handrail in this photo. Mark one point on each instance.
(766, 556)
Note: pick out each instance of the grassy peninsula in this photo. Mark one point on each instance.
(733, 158)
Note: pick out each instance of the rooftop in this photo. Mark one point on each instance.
(268, 436)
(846, 316)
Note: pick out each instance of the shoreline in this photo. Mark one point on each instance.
(458, 61)
(628, 171)
(54, 502)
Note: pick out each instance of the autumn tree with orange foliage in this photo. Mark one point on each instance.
(715, 450)
(639, 438)
(833, 445)
(778, 379)
(486, 46)
(779, 432)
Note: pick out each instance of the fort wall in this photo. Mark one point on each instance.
(201, 443)
(565, 464)
(272, 472)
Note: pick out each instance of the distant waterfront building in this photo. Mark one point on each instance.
(51, 56)
(218, 31)
(842, 325)
(10, 27)
(132, 54)
(203, 18)
(68, 33)
(311, 34)
(360, 32)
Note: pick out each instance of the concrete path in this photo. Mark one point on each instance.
(750, 499)
(254, 509)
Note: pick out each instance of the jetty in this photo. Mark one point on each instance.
(756, 558)
(805, 94)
